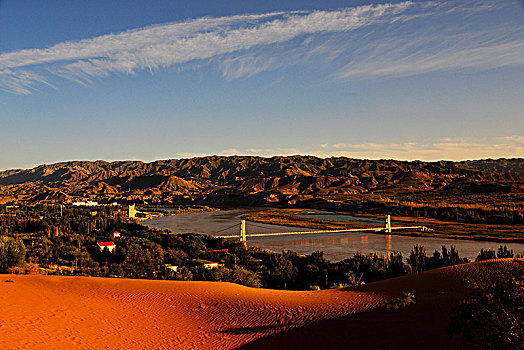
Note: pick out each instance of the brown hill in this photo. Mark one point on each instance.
(211, 178)
(514, 165)
(53, 312)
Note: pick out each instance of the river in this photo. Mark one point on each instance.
(336, 247)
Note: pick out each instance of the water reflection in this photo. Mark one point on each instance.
(364, 242)
(388, 242)
(339, 248)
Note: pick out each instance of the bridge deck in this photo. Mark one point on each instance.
(375, 229)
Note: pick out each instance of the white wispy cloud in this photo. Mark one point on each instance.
(177, 43)
(393, 61)
(447, 148)
(244, 45)
(452, 36)
(248, 65)
(20, 81)
(515, 139)
(266, 152)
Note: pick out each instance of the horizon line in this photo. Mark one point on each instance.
(256, 156)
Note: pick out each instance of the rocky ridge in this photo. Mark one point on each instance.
(264, 180)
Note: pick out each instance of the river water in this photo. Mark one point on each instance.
(336, 247)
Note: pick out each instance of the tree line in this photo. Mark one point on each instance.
(64, 240)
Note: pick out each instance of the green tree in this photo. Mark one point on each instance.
(397, 267)
(452, 258)
(12, 253)
(240, 276)
(503, 252)
(281, 271)
(486, 254)
(418, 259)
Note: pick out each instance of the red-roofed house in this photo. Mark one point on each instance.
(109, 245)
(116, 234)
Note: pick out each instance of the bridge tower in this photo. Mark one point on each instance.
(388, 224)
(243, 237)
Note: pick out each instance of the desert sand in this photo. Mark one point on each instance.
(56, 312)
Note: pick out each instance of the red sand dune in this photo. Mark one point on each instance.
(53, 312)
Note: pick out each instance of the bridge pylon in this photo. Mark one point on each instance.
(388, 224)
(243, 237)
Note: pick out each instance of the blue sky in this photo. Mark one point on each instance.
(119, 80)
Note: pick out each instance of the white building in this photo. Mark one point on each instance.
(173, 268)
(87, 204)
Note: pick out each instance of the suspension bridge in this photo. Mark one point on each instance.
(243, 236)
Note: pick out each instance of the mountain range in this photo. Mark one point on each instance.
(253, 180)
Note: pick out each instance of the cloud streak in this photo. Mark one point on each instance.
(445, 148)
(20, 81)
(402, 58)
(177, 43)
(245, 45)
(456, 149)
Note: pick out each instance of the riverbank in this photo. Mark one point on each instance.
(439, 228)
(177, 209)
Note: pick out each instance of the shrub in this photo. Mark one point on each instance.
(241, 276)
(339, 285)
(494, 317)
(15, 270)
(400, 303)
(31, 269)
(183, 274)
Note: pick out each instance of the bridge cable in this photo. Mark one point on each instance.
(255, 225)
(266, 228)
(227, 228)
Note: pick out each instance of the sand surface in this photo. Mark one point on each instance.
(54, 312)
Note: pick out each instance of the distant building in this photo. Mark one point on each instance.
(217, 250)
(173, 268)
(212, 265)
(109, 245)
(207, 264)
(87, 204)
(132, 211)
(116, 234)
